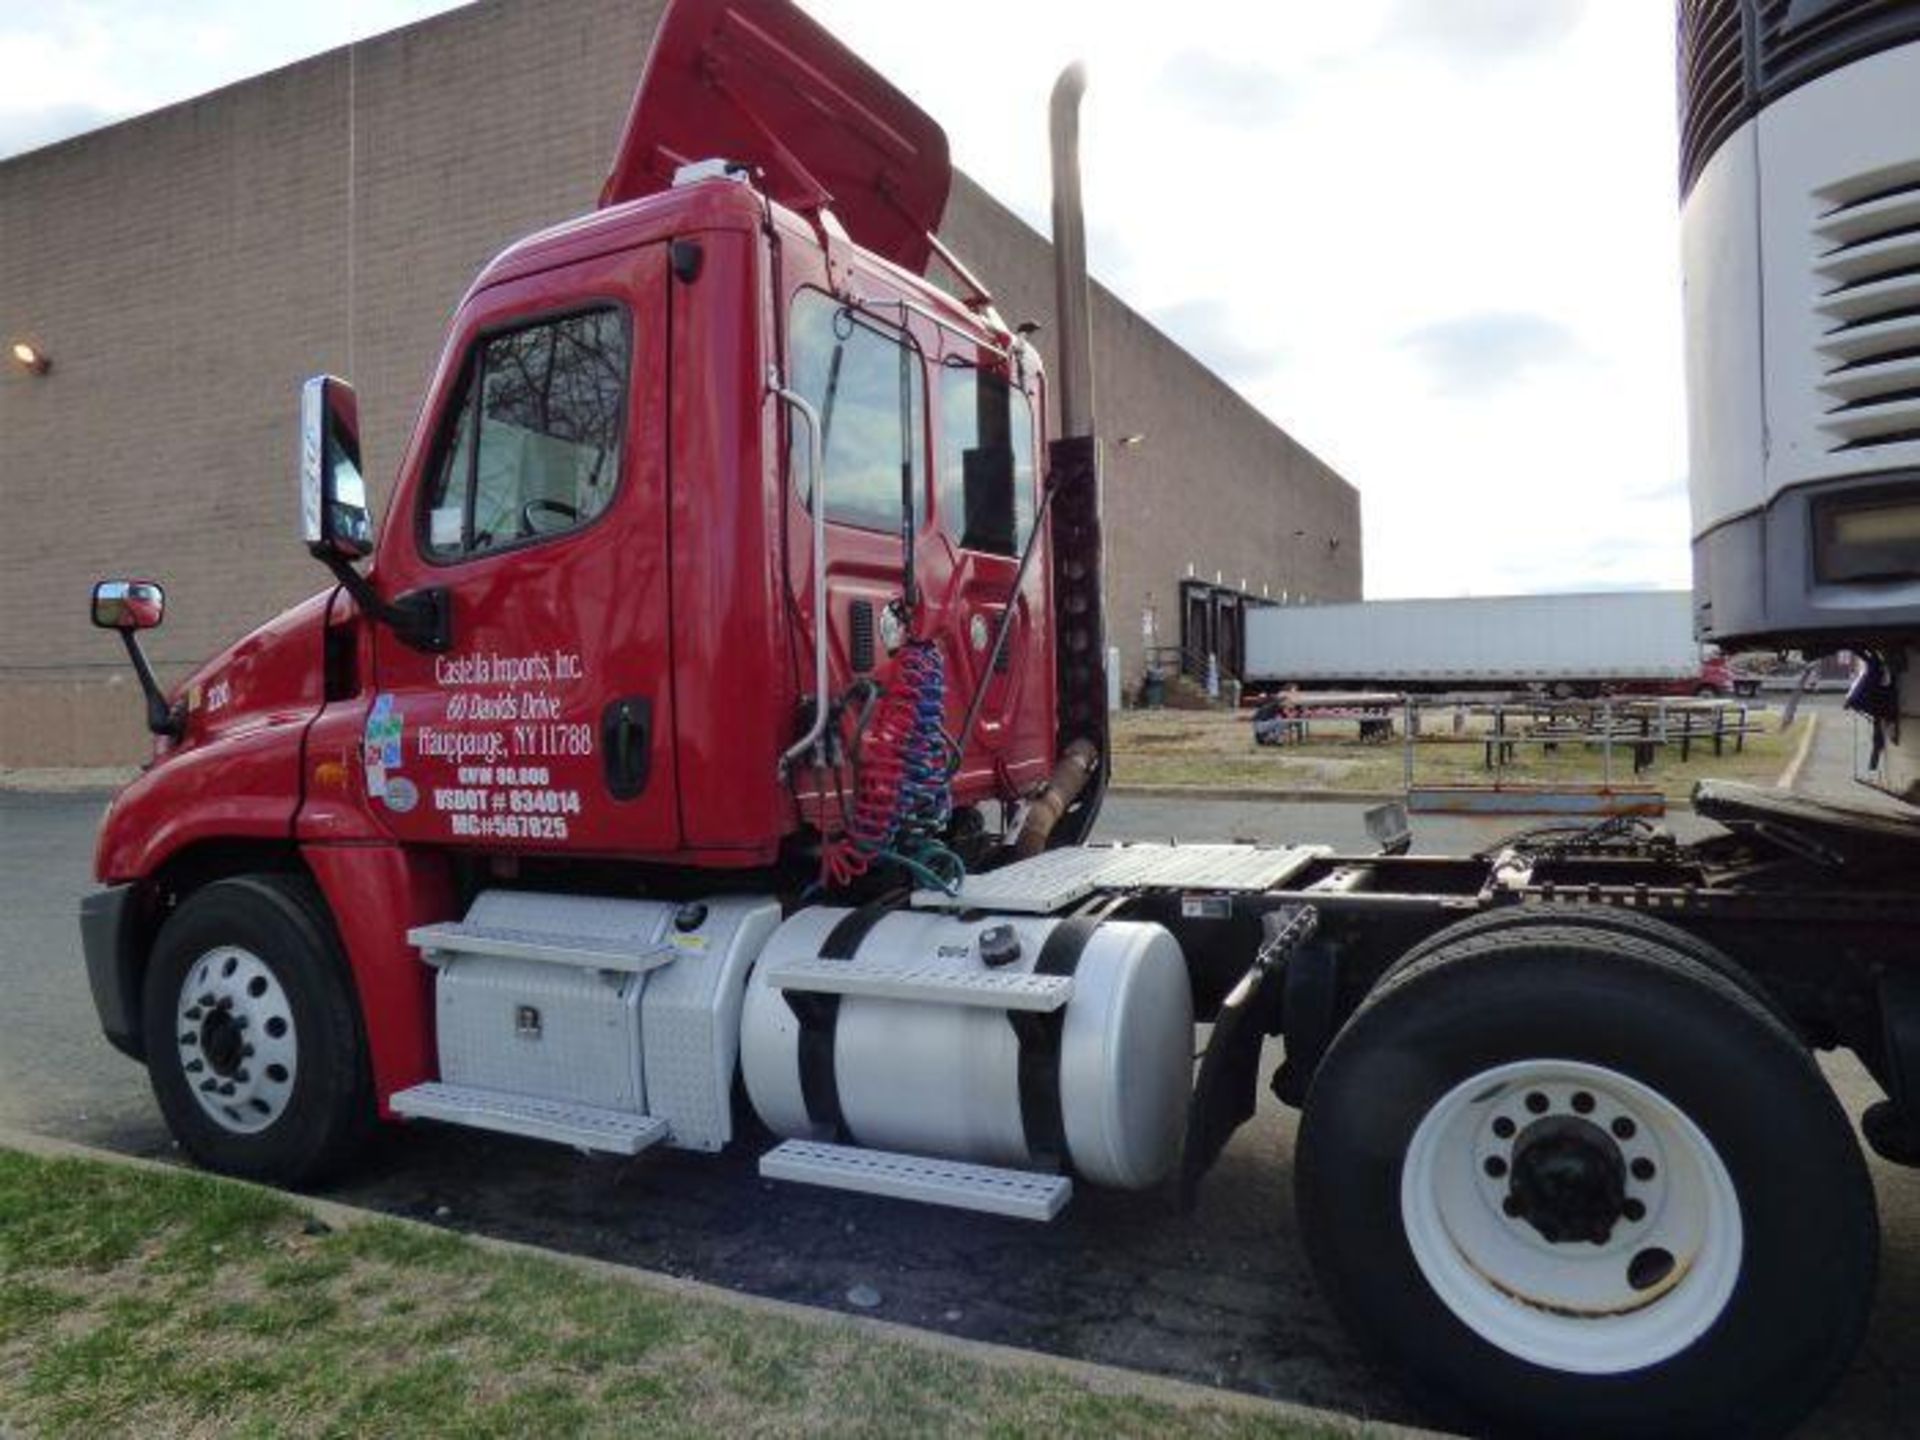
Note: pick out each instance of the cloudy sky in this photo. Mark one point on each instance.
(1434, 239)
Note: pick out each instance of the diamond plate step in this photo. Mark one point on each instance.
(454, 938)
(983, 989)
(1020, 1194)
(585, 1127)
(1052, 881)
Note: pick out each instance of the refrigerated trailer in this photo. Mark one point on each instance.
(716, 725)
(1572, 643)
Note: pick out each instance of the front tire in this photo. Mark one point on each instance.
(1574, 1183)
(254, 1043)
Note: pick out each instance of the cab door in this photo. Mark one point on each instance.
(539, 505)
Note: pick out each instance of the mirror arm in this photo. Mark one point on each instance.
(422, 620)
(162, 718)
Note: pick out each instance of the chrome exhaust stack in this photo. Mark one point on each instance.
(1070, 286)
(1073, 488)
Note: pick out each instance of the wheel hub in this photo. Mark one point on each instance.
(1572, 1215)
(237, 1047)
(1568, 1180)
(220, 1042)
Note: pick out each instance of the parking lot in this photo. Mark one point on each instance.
(1222, 1296)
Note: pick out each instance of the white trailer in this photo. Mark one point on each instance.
(1504, 640)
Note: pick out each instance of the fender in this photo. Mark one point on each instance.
(376, 893)
(243, 787)
(234, 771)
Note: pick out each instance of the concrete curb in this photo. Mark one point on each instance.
(1790, 777)
(1103, 1379)
(93, 780)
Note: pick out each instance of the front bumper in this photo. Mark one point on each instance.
(113, 970)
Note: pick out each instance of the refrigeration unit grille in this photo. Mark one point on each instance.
(1867, 280)
(1714, 91)
(1799, 40)
(1738, 56)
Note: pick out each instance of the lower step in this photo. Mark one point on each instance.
(585, 1127)
(1020, 1194)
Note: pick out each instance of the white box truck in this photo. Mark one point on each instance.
(1567, 643)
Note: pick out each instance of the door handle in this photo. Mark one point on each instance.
(626, 744)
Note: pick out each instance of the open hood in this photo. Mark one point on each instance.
(758, 82)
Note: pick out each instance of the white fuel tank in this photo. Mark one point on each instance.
(1102, 1084)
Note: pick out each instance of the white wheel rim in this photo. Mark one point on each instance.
(1571, 1304)
(233, 1027)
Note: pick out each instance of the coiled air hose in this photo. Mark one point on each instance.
(902, 798)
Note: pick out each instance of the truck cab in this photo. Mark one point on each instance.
(719, 557)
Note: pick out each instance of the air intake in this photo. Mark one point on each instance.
(1867, 276)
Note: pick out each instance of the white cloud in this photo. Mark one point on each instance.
(1479, 33)
(1491, 349)
(1223, 90)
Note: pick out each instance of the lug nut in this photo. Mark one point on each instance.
(1634, 1211)
(1624, 1128)
(1495, 1167)
(1537, 1103)
(194, 1067)
(1583, 1102)
(1643, 1169)
(1503, 1127)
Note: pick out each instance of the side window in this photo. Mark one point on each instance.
(986, 460)
(543, 455)
(870, 392)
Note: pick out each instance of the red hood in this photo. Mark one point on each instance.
(756, 81)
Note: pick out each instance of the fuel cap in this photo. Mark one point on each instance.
(999, 946)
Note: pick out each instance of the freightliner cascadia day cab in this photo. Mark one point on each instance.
(709, 741)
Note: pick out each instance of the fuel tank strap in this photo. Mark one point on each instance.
(1039, 1036)
(819, 1017)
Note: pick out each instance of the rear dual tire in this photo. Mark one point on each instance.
(1474, 1213)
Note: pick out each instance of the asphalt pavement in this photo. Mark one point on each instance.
(1222, 1295)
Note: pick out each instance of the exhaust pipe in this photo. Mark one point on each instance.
(1071, 298)
(1073, 506)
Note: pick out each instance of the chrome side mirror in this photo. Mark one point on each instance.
(334, 518)
(336, 524)
(128, 604)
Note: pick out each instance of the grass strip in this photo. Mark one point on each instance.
(138, 1302)
(1215, 750)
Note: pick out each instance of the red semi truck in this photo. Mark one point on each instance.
(718, 727)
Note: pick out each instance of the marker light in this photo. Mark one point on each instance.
(30, 358)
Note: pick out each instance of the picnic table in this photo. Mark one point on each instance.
(1644, 727)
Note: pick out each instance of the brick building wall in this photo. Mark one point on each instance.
(186, 270)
